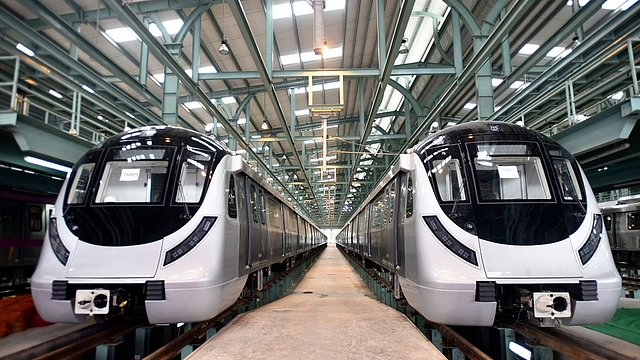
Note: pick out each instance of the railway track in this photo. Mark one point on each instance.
(114, 330)
(561, 340)
(631, 282)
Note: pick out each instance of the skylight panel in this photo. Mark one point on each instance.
(331, 5)
(580, 2)
(618, 4)
(496, 82)
(290, 59)
(528, 49)
(228, 100)
(519, 85)
(158, 77)
(241, 121)
(558, 51)
(172, 27)
(281, 11)
(302, 112)
(332, 53)
(300, 8)
(617, 96)
(309, 56)
(122, 34)
(470, 106)
(193, 105)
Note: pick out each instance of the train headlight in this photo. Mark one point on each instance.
(449, 241)
(191, 241)
(61, 251)
(591, 245)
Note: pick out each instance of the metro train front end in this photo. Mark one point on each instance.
(125, 224)
(509, 229)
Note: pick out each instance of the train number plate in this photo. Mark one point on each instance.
(91, 302)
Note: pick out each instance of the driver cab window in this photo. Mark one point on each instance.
(193, 175)
(448, 179)
(445, 170)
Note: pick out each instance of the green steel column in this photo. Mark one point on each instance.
(144, 57)
(506, 50)
(361, 100)
(269, 44)
(382, 47)
(170, 89)
(247, 135)
(292, 114)
(195, 50)
(457, 42)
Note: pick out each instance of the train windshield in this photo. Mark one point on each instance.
(134, 175)
(509, 172)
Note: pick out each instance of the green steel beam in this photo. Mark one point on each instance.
(129, 18)
(247, 34)
(29, 35)
(141, 7)
(90, 49)
(595, 59)
(397, 34)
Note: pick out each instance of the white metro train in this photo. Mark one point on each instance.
(165, 222)
(489, 220)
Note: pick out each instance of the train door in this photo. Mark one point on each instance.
(255, 231)
(389, 234)
(377, 214)
(404, 211)
(244, 214)
(276, 227)
(291, 227)
(356, 245)
(264, 231)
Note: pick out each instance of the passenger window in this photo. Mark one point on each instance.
(35, 218)
(633, 221)
(263, 217)
(274, 213)
(409, 211)
(254, 203)
(607, 222)
(232, 208)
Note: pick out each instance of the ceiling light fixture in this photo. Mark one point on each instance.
(404, 49)
(224, 49)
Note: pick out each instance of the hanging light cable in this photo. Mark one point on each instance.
(265, 125)
(224, 48)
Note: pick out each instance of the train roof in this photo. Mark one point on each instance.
(172, 135)
(455, 134)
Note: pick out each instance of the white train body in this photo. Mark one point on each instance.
(176, 244)
(487, 220)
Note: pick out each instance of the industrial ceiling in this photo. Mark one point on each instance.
(323, 128)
